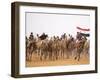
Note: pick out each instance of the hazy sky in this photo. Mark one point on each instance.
(55, 24)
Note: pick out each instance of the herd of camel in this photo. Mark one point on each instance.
(55, 47)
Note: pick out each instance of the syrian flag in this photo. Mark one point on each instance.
(83, 31)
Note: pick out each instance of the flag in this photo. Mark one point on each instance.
(83, 31)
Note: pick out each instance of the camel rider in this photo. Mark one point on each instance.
(79, 36)
(31, 37)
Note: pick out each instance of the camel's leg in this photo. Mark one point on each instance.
(78, 56)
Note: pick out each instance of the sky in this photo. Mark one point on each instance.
(55, 24)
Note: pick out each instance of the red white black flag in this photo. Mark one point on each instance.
(83, 31)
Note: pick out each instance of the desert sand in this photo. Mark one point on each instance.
(35, 62)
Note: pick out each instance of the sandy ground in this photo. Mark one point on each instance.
(61, 62)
